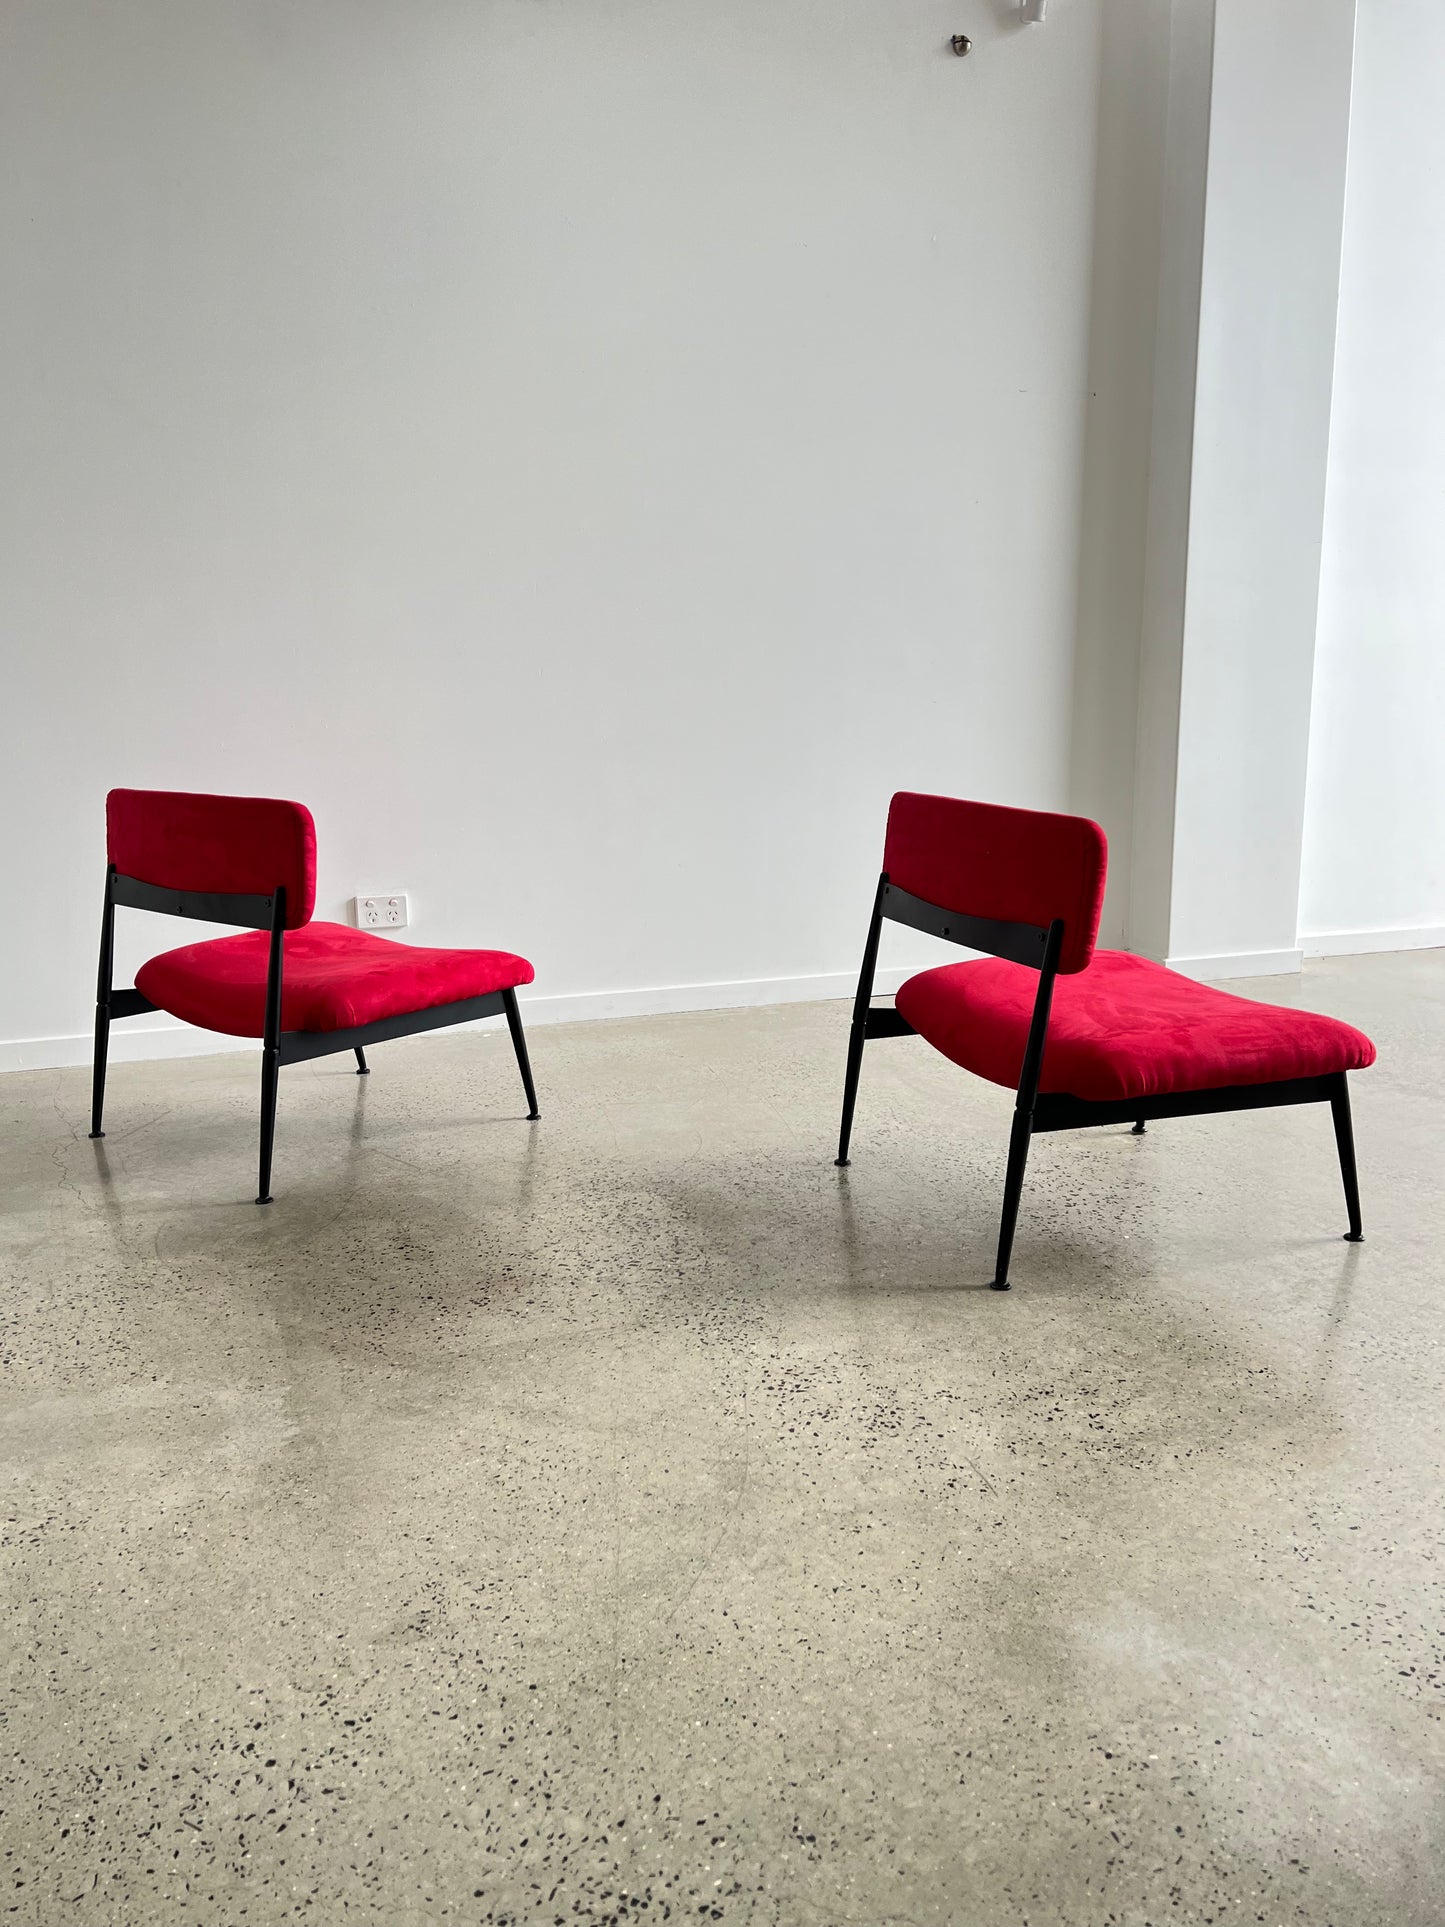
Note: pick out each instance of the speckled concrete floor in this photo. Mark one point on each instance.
(632, 1518)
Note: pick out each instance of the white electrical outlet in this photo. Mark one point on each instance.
(380, 913)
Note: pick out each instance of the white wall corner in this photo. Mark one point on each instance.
(1171, 450)
(1373, 867)
(1225, 689)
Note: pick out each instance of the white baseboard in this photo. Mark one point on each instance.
(134, 1044)
(1243, 963)
(1360, 943)
(748, 994)
(131, 1044)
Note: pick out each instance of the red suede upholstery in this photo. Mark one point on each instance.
(332, 978)
(1123, 1028)
(238, 845)
(1014, 866)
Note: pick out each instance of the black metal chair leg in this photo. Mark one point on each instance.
(97, 1076)
(858, 1036)
(519, 1045)
(850, 1089)
(1018, 1157)
(102, 1005)
(270, 1077)
(363, 1069)
(1137, 1129)
(1345, 1144)
(1023, 1125)
(271, 1052)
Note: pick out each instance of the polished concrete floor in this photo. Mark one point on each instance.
(632, 1518)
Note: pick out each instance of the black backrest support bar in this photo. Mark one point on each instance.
(1023, 943)
(208, 906)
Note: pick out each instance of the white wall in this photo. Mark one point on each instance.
(1139, 51)
(1374, 849)
(590, 453)
(1270, 272)
(1150, 750)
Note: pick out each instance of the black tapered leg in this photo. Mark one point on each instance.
(271, 1051)
(1137, 1129)
(102, 1005)
(1345, 1144)
(97, 1075)
(270, 1078)
(519, 1045)
(850, 1089)
(1023, 1124)
(858, 1035)
(363, 1069)
(1013, 1185)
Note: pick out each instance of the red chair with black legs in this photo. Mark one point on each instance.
(1084, 1036)
(305, 989)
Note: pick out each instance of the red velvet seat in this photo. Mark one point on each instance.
(336, 978)
(1124, 1027)
(305, 989)
(1084, 1037)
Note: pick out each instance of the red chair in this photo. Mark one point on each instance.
(1085, 1037)
(251, 860)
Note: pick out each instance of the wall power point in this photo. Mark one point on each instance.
(381, 912)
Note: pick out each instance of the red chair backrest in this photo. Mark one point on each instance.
(232, 845)
(1012, 866)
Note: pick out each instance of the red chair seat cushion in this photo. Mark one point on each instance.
(333, 978)
(1123, 1028)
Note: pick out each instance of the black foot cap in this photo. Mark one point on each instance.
(265, 1200)
(97, 1134)
(999, 1284)
(1354, 1237)
(532, 1116)
(1136, 1130)
(363, 1073)
(842, 1163)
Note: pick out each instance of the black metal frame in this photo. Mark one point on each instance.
(1040, 948)
(278, 1046)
